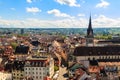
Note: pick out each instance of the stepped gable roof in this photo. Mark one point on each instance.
(96, 50)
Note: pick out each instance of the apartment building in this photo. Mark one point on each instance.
(39, 67)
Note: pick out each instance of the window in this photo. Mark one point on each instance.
(36, 77)
(88, 58)
(26, 68)
(100, 57)
(44, 73)
(36, 68)
(40, 77)
(36, 72)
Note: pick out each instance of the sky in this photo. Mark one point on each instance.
(59, 13)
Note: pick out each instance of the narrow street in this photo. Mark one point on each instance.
(62, 72)
(59, 53)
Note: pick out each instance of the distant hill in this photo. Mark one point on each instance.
(65, 31)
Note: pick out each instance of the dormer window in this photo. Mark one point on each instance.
(119, 52)
(27, 63)
(106, 52)
(90, 53)
(98, 53)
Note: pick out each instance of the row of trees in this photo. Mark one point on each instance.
(106, 37)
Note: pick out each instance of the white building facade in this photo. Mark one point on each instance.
(39, 68)
(5, 76)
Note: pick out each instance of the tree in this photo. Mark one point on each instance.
(14, 45)
(56, 68)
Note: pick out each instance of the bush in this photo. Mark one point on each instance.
(14, 45)
(56, 68)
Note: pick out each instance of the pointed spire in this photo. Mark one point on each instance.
(90, 24)
(90, 36)
(90, 30)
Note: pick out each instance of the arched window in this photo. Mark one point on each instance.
(93, 58)
(89, 58)
(99, 57)
(102, 57)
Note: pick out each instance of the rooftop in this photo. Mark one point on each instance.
(36, 58)
(96, 50)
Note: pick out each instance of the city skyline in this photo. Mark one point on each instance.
(59, 13)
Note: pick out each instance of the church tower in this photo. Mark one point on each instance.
(90, 36)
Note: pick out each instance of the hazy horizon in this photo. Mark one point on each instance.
(59, 27)
(59, 13)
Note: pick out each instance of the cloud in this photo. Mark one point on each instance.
(99, 21)
(29, 1)
(83, 1)
(57, 13)
(37, 23)
(103, 21)
(68, 2)
(102, 4)
(33, 10)
(81, 15)
(12, 9)
(95, 15)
